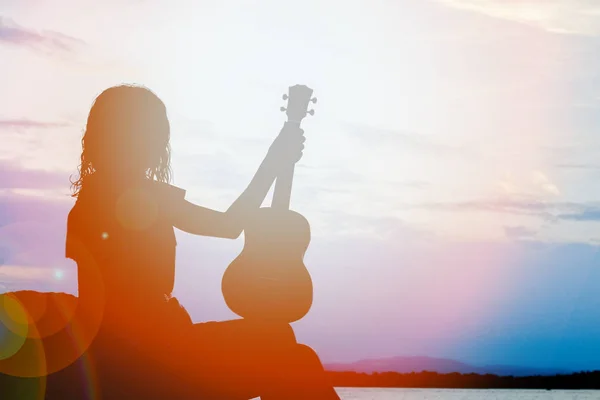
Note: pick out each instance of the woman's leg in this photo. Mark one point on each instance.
(242, 359)
(232, 359)
(300, 376)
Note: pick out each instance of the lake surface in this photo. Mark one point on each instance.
(464, 394)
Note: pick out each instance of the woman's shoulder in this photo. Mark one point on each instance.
(103, 200)
(98, 187)
(151, 194)
(165, 189)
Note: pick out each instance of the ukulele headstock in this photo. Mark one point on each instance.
(298, 97)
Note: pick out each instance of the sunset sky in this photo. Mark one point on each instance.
(450, 172)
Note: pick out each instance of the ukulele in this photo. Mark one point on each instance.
(268, 281)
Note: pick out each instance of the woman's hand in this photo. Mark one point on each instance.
(286, 150)
(288, 146)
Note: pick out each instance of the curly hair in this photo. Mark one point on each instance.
(127, 131)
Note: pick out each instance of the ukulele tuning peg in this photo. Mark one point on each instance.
(285, 96)
(311, 112)
(314, 99)
(282, 109)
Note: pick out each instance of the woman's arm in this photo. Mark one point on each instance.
(198, 220)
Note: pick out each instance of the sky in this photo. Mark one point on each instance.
(448, 177)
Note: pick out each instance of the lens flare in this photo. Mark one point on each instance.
(13, 327)
(44, 333)
(59, 274)
(14, 310)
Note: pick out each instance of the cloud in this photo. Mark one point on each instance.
(48, 144)
(32, 229)
(338, 224)
(588, 214)
(542, 181)
(343, 180)
(520, 206)
(579, 166)
(560, 16)
(401, 140)
(529, 282)
(45, 41)
(27, 123)
(511, 206)
(32, 239)
(524, 290)
(536, 185)
(43, 279)
(415, 184)
(518, 232)
(13, 176)
(16, 208)
(10, 272)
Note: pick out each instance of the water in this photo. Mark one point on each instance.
(464, 394)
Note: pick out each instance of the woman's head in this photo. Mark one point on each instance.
(127, 135)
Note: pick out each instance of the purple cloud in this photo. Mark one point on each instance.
(13, 176)
(27, 123)
(395, 286)
(32, 239)
(31, 227)
(17, 208)
(48, 41)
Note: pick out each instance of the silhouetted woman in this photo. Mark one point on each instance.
(121, 234)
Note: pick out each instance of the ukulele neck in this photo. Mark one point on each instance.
(283, 185)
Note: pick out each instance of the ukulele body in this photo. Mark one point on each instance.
(268, 280)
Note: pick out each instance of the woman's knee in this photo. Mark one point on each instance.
(286, 334)
(246, 334)
(305, 355)
(273, 335)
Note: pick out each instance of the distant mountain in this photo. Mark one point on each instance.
(439, 365)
